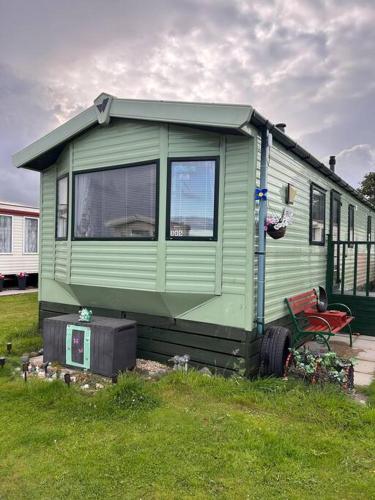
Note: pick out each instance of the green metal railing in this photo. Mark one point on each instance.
(351, 280)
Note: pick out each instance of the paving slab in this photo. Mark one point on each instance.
(362, 378)
(365, 367)
(364, 344)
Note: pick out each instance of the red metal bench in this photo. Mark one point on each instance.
(309, 322)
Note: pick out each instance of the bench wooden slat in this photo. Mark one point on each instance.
(303, 308)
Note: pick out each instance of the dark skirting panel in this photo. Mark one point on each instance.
(225, 350)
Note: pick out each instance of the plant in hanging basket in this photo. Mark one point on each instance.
(276, 225)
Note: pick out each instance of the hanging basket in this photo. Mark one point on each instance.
(276, 234)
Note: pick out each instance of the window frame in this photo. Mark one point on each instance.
(155, 162)
(351, 209)
(214, 236)
(335, 196)
(62, 238)
(25, 252)
(12, 234)
(369, 228)
(324, 193)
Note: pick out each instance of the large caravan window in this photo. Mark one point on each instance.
(192, 204)
(5, 234)
(62, 208)
(351, 224)
(317, 215)
(116, 203)
(31, 235)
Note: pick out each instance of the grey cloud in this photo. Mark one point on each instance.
(308, 63)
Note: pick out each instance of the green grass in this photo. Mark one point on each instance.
(184, 436)
(19, 323)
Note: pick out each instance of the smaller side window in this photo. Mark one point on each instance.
(369, 228)
(351, 225)
(6, 233)
(317, 215)
(62, 208)
(30, 244)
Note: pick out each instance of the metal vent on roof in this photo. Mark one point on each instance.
(281, 126)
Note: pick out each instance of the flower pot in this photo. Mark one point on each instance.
(21, 282)
(276, 233)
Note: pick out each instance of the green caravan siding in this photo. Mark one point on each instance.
(204, 281)
(62, 248)
(292, 264)
(121, 142)
(191, 265)
(238, 215)
(234, 306)
(115, 264)
(47, 223)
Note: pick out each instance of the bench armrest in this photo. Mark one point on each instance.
(323, 321)
(347, 309)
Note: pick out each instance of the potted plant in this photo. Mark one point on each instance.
(1, 282)
(21, 277)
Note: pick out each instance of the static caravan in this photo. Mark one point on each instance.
(150, 211)
(19, 234)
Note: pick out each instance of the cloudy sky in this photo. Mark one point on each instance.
(309, 63)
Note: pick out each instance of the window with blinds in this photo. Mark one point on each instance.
(193, 199)
(62, 208)
(116, 203)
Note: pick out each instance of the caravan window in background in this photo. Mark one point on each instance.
(369, 228)
(351, 225)
(335, 215)
(317, 215)
(62, 208)
(5, 234)
(118, 203)
(31, 235)
(192, 199)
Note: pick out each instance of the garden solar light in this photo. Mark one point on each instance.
(67, 379)
(9, 347)
(25, 367)
(2, 362)
(45, 367)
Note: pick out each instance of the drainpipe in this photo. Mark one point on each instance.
(266, 139)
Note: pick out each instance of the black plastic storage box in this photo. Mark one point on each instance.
(105, 346)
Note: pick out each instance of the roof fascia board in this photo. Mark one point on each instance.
(59, 135)
(200, 114)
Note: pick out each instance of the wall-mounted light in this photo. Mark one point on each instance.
(291, 193)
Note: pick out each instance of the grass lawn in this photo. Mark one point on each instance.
(184, 436)
(19, 323)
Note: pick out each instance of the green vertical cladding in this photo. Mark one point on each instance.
(191, 265)
(47, 223)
